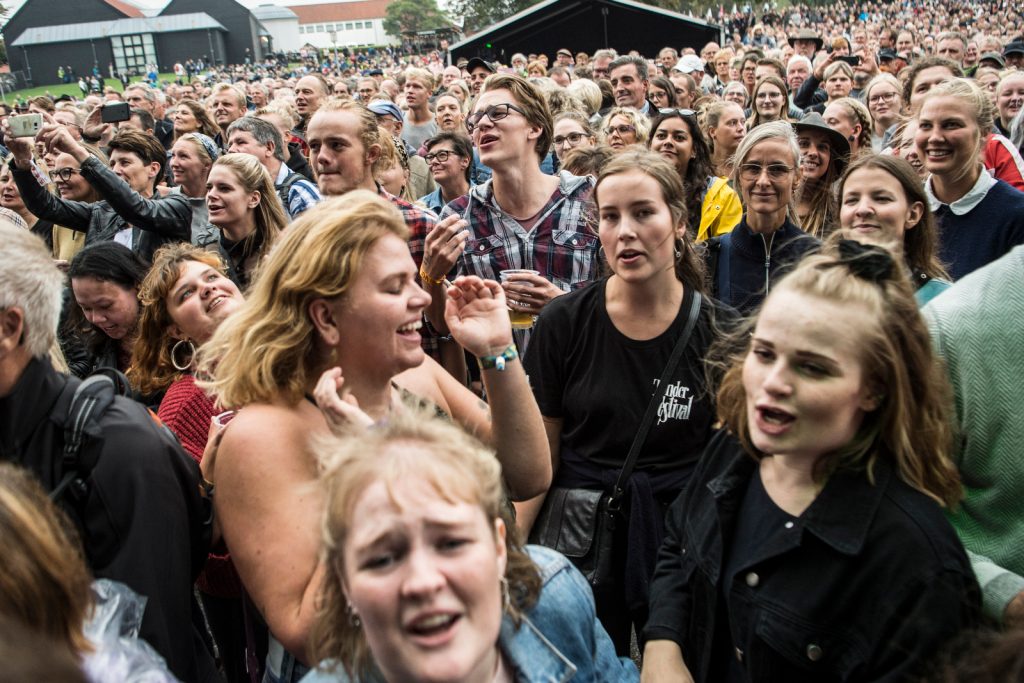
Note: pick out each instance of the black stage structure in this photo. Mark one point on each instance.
(586, 25)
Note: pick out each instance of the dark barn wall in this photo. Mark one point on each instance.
(52, 13)
(44, 59)
(185, 45)
(234, 17)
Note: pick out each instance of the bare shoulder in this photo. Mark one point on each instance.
(265, 438)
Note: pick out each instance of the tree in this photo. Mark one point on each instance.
(411, 16)
(479, 14)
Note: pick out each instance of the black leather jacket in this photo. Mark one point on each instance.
(154, 222)
(142, 518)
(867, 584)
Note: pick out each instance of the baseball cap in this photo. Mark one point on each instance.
(993, 57)
(477, 62)
(689, 64)
(385, 108)
(887, 54)
(1015, 47)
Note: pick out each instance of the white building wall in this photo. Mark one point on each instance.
(285, 33)
(348, 33)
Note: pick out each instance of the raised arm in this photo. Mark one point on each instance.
(478, 319)
(42, 204)
(168, 217)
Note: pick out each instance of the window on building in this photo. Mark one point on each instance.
(319, 28)
(348, 25)
(359, 24)
(133, 53)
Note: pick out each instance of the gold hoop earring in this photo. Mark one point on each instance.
(174, 355)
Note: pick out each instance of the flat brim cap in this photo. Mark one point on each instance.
(840, 145)
(1014, 48)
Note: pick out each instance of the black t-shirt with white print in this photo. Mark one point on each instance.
(598, 381)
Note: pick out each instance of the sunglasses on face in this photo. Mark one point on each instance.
(495, 113)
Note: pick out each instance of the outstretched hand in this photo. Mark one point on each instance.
(477, 316)
(56, 137)
(340, 409)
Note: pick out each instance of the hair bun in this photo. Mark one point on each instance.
(867, 261)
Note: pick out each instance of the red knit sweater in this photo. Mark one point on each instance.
(187, 410)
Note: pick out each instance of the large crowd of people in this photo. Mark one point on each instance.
(697, 365)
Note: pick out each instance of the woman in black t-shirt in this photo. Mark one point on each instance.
(596, 359)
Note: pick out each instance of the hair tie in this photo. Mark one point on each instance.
(867, 261)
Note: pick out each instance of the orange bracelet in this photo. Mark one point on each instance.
(425, 276)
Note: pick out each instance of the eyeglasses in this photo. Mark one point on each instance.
(440, 155)
(775, 171)
(622, 129)
(572, 138)
(495, 113)
(674, 111)
(65, 173)
(768, 96)
(882, 97)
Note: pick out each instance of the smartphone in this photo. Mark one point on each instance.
(25, 125)
(115, 112)
(852, 60)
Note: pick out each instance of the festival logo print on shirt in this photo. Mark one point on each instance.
(676, 402)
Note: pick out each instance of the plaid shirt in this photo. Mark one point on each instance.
(420, 222)
(562, 245)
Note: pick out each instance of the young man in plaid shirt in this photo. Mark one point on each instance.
(521, 218)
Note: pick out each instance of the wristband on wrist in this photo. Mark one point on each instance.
(425, 276)
(498, 362)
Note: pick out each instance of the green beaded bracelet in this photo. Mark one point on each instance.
(498, 362)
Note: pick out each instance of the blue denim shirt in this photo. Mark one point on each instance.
(559, 638)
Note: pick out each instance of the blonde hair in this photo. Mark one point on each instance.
(980, 106)
(422, 75)
(254, 177)
(857, 113)
(152, 368)
(635, 118)
(44, 583)
(268, 350)
(369, 133)
(228, 87)
(912, 425)
(459, 469)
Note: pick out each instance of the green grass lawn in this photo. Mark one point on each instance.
(59, 89)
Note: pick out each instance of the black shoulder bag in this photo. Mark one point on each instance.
(580, 523)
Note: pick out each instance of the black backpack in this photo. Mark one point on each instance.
(91, 399)
(286, 187)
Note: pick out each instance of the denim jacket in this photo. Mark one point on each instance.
(559, 638)
(865, 585)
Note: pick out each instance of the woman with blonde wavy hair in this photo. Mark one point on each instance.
(242, 202)
(819, 506)
(624, 126)
(334, 320)
(494, 595)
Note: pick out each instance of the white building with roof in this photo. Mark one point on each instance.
(343, 24)
(283, 26)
